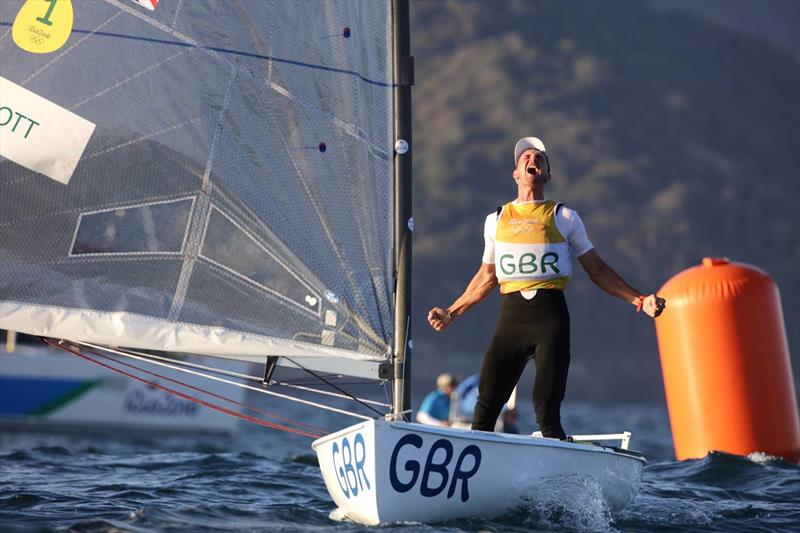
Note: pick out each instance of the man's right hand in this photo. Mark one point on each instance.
(439, 318)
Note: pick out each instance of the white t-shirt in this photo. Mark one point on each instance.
(568, 222)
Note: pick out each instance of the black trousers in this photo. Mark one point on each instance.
(540, 328)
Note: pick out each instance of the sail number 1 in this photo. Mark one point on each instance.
(46, 18)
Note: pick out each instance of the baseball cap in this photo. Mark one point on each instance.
(526, 143)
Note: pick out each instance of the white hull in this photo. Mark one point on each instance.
(382, 472)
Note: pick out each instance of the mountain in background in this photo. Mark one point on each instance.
(675, 136)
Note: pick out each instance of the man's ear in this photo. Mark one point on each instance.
(515, 174)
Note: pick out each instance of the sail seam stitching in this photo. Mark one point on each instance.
(201, 215)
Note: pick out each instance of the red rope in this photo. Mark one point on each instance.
(204, 403)
(209, 393)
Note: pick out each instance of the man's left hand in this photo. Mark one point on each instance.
(653, 305)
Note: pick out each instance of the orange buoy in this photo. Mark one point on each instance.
(725, 360)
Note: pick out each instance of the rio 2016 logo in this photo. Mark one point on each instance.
(348, 463)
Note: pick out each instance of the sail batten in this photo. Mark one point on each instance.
(232, 199)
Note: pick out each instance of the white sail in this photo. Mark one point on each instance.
(232, 198)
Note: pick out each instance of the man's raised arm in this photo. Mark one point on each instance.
(607, 279)
(479, 288)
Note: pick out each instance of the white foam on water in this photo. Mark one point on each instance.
(762, 457)
(339, 515)
(572, 502)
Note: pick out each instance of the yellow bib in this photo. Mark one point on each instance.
(530, 252)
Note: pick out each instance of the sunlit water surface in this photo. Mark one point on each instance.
(265, 480)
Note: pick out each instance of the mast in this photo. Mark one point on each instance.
(403, 75)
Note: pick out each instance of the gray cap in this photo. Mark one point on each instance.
(526, 143)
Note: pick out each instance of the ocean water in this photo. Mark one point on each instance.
(264, 480)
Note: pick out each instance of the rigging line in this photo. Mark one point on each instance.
(386, 392)
(212, 394)
(257, 389)
(182, 363)
(330, 384)
(146, 357)
(288, 384)
(210, 369)
(307, 380)
(252, 419)
(328, 393)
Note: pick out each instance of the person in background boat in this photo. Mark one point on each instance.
(435, 408)
(529, 246)
(462, 405)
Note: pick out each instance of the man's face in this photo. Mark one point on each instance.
(533, 165)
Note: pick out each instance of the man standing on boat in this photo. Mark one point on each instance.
(530, 243)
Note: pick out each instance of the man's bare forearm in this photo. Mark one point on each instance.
(607, 278)
(481, 286)
(611, 282)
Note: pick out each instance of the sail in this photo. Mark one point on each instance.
(198, 176)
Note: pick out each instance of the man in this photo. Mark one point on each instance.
(435, 409)
(530, 243)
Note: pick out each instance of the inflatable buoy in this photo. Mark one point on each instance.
(725, 361)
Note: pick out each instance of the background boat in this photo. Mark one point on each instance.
(46, 389)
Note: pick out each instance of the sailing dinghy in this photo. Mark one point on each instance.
(390, 471)
(214, 178)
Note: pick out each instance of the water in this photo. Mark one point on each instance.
(264, 480)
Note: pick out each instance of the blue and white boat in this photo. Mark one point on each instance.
(45, 389)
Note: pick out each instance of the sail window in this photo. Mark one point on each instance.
(158, 227)
(231, 246)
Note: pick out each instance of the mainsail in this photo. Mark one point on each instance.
(233, 195)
